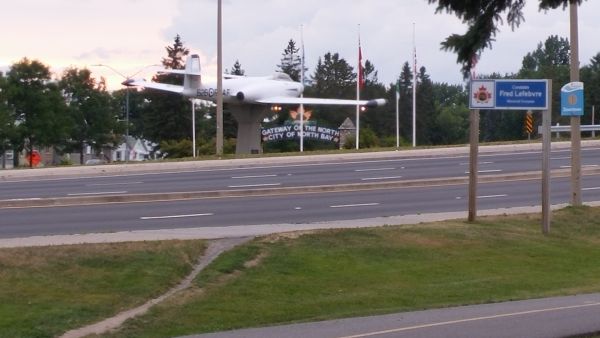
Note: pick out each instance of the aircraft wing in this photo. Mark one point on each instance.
(154, 85)
(319, 101)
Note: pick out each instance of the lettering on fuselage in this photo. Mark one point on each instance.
(211, 92)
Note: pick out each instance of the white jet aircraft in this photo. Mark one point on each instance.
(249, 98)
(277, 89)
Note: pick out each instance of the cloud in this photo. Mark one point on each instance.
(256, 32)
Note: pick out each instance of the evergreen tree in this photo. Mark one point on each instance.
(168, 115)
(237, 69)
(381, 120)
(291, 62)
(333, 78)
(406, 99)
(483, 18)
(426, 109)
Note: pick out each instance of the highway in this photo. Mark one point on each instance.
(290, 175)
(297, 207)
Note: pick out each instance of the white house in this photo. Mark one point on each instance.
(139, 150)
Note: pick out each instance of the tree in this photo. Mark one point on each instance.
(7, 123)
(550, 60)
(380, 120)
(453, 124)
(38, 106)
(291, 64)
(333, 78)
(406, 82)
(94, 122)
(483, 18)
(590, 75)
(426, 110)
(236, 69)
(167, 116)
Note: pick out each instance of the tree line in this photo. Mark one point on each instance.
(77, 110)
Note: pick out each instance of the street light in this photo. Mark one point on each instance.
(127, 84)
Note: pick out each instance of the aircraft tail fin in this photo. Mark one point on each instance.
(192, 77)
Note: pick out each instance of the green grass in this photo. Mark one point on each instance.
(47, 291)
(333, 274)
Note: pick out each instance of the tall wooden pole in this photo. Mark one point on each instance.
(473, 154)
(575, 120)
(219, 81)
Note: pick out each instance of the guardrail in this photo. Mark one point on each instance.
(567, 128)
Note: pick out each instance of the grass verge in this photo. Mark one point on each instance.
(47, 291)
(333, 274)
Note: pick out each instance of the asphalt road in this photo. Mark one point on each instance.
(290, 208)
(538, 318)
(289, 175)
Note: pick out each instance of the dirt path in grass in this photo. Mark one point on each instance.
(214, 249)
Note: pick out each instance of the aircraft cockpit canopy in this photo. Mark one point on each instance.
(279, 76)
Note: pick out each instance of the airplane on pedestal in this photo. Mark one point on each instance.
(249, 98)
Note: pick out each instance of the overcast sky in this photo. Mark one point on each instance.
(131, 34)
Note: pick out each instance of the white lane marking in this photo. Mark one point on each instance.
(353, 205)
(583, 166)
(253, 176)
(593, 188)
(486, 171)
(106, 184)
(254, 185)
(98, 193)
(474, 319)
(374, 169)
(175, 216)
(492, 196)
(561, 158)
(297, 208)
(458, 197)
(380, 178)
(24, 199)
(295, 165)
(467, 163)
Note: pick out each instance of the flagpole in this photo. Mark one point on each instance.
(414, 119)
(358, 78)
(302, 94)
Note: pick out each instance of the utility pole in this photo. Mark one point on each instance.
(219, 81)
(575, 120)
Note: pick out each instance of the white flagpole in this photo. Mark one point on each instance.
(358, 92)
(414, 119)
(193, 127)
(302, 94)
(397, 114)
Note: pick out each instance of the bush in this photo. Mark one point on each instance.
(367, 139)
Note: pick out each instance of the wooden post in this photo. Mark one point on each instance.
(473, 154)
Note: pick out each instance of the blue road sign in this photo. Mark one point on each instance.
(571, 99)
(509, 94)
